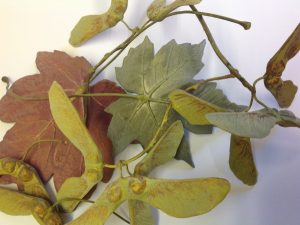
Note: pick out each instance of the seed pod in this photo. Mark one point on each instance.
(26, 174)
(158, 10)
(16, 204)
(283, 91)
(89, 26)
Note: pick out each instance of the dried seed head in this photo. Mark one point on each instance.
(138, 185)
(9, 165)
(25, 174)
(115, 194)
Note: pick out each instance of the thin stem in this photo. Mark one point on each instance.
(223, 59)
(201, 82)
(253, 95)
(138, 97)
(28, 150)
(122, 218)
(120, 48)
(6, 80)
(245, 24)
(83, 200)
(127, 26)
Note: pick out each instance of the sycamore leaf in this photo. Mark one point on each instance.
(193, 109)
(283, 91)
(24, 173)
(288, 119)
(196, 129)
(34, 122)
(184, 151)
(241, 160)
(257, 124)
(69, 122)
(163, 151)
(16, 204)
(89, 26)
(210, 93)
(178, 198)
(152, 77)
(158, 10)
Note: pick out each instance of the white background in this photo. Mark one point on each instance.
(27, 27)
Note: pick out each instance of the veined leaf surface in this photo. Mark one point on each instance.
(152, 78)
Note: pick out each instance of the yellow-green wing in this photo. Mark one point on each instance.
(158, 10)
(193, 109)
(180, 198)
(163, 151)
(17, 204)
(26, 174)
(69, 122)
(112, 197)
(89, 26)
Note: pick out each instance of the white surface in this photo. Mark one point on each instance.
(44, 25)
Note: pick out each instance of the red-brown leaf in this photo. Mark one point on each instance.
(33, 120)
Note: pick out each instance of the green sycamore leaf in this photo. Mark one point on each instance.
(158, 10)
(69, 122)
(256, 124)
(26, 174)
(18, 204)
(152, 78)
(163, 151)
(91, 25)
(184, 151)
(196, 129)
(178, 198)
(241, 160)
(210, 93)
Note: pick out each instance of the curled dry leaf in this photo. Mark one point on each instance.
(16, 204)
(89, 26)
(178, 198)
(26, 175)
(283, 91)
(241, 160)
(159, 9)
